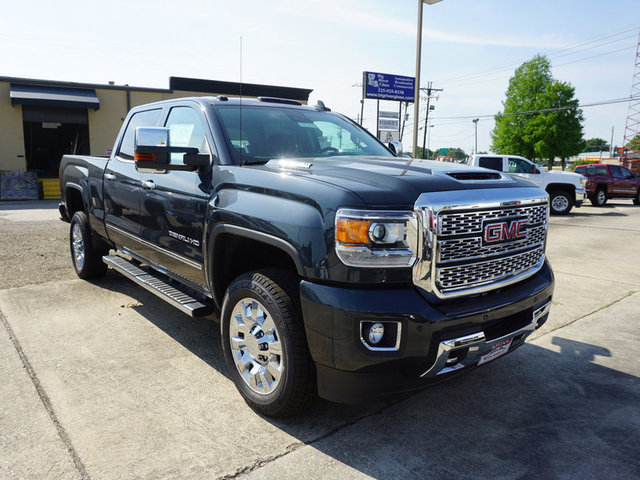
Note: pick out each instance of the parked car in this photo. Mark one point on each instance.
(609, 181)
(566, 189)
(336, 267)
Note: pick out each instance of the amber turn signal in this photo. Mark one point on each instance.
(352, 231)
(144, 157)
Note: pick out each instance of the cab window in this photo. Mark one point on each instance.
(185, 130)
(518, 165)
(494, 163)
(615, 171)
(147, 118)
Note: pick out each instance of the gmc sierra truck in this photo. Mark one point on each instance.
(609, 181)
(336, 266)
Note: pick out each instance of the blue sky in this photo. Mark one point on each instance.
(470, 49)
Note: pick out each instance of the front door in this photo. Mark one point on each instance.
(174, 203)
(519, 167)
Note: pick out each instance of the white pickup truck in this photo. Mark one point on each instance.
(566, 189)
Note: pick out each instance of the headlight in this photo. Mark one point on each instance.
(583, 182)
(367, 238)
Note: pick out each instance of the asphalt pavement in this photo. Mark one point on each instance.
(102, 380)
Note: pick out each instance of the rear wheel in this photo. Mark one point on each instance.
(264, 343)
(561, 202)
(636, 199)
(600, 198)
(86, 257)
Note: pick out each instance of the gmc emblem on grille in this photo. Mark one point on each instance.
(507, 230)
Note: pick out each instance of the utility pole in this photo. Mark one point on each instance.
(611, 144)
(475, 124)
(429, 89)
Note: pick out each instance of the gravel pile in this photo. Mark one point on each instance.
(34, 252)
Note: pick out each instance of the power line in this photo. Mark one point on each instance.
(545, 110)
(552, 53)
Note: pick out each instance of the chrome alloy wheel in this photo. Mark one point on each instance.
(255, 346)
(78, 246)
(560, 203)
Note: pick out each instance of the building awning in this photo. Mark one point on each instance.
(43, 96)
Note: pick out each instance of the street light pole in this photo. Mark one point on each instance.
(416, 101)
(475, 124)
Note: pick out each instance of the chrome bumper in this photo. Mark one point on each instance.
(466, 351)
(581, 196)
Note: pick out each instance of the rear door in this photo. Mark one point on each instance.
(122, 185)
(174, 203)
(630, 186)
(620, 185)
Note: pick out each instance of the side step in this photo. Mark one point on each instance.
(147, 279)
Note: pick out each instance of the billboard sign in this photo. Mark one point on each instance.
(389, 121)
(385, 86)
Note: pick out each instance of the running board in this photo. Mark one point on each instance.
(147, 279)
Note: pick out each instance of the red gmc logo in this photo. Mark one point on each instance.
(510, 229)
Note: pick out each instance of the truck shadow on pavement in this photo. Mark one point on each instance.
(537, 413)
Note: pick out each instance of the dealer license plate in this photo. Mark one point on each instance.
(497, 350)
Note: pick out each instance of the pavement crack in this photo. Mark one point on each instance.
(261, 462)
(46, 401)
(629, 294)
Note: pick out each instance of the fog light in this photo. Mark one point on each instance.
(376, 332)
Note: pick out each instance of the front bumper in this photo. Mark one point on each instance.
(581, 196)
(435, 340)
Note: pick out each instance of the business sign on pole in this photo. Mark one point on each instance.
(389, 121)
(385, 86)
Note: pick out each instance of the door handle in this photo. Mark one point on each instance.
(150, 184)
(109, 176)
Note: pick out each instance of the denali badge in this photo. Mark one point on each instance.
(504, 231)
(189, 240)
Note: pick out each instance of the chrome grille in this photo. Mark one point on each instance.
(471, 222)
(455, 257)
(472, 248)
(476, 264)
(481, 273)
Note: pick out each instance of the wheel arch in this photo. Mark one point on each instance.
(563, 187)
(74, 199)
(234, 250)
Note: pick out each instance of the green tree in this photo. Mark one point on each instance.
(595, 145)
(541, 118)
(634, 143)
(457, 153)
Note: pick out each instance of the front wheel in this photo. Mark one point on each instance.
(636, 199)
(264, 343)
(561, 202)
(86, 257)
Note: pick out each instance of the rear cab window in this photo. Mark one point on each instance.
(493, 163)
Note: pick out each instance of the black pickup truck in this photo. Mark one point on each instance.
(336, 266)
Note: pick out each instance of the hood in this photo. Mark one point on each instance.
(391, 181)
(570, 176)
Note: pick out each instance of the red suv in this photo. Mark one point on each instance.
(609, 181)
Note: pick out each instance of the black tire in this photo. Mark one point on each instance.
(636, 199)
(86, 257)
(560, 202)
(600, 198)
(273, 296)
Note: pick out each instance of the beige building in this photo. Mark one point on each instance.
(41, 120)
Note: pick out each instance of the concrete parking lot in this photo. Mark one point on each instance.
(102, 380)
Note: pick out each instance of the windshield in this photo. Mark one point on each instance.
(265, 133)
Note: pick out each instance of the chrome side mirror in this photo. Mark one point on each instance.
(396, 147)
